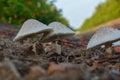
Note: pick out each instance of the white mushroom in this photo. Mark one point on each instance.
(33, 31)
(32, 28)
(60, 31)
(104, 36)
(116, 43)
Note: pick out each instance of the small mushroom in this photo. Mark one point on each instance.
(60, 31)
(33, 31)
(116, 43)
(116, 47)
(104, 36)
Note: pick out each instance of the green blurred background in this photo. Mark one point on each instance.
(17, 11)
(105, 12)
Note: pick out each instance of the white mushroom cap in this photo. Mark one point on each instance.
(116, 43)
(32, 27)
(104, 35)
(59, 30)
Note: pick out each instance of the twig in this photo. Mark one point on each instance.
(23, 59)
(108, 59)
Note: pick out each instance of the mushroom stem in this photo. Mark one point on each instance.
(108, 50)
(39, 37)
(57, 47)
(34, 49)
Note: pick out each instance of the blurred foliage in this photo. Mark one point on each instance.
(104, 12)
(17, 11)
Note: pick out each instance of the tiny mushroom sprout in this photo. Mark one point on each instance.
(33, 31)
(116, 43)
(60, 31)
(116, 46)
(104, 36)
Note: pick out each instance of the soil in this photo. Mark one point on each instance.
(18, 61)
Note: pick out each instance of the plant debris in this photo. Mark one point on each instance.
(18, 61)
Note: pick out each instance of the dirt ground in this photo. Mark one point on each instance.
(19, 62)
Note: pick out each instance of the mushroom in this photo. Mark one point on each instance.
(33, 31)
(32, 28)
(116, 43)
(60, 31)
(104, 36)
